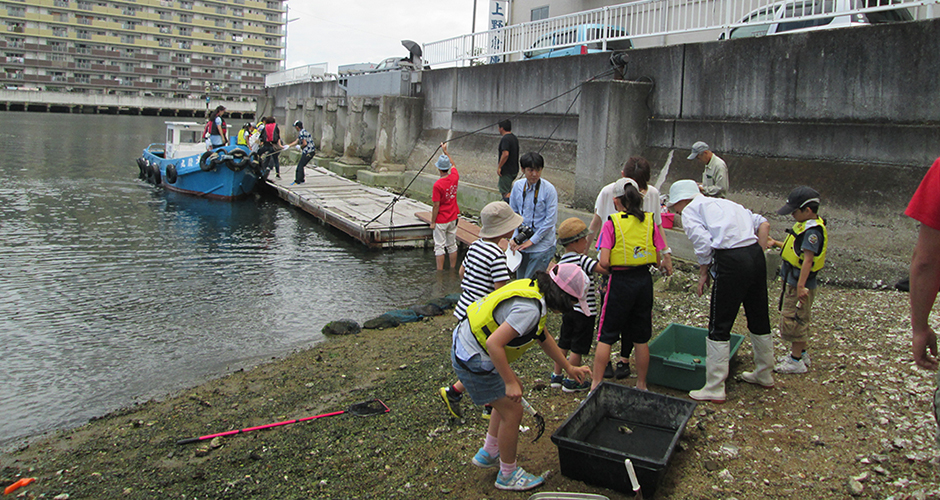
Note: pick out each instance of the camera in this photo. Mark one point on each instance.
(523, 233)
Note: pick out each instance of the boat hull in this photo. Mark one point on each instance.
(219, 177)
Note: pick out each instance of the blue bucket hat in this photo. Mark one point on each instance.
(443, 162)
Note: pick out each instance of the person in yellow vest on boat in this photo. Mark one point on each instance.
(244, 134)
(497, 330)
(630, 243)
(804, 254)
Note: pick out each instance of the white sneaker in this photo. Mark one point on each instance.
(790, 365)
(785, 357)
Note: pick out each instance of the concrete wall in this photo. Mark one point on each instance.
(849, 95)
(849, 110)
(615, 131)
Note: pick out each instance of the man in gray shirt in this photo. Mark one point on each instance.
(715, 177)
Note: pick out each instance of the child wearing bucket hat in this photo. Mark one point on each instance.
(445, 211)
(630, 243)
(729, 242)
(483, 270)
(577, 325)
(498, 329)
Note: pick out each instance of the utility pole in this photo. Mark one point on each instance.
(473, 30)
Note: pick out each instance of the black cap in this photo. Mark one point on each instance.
(299, 123)
(798, 198)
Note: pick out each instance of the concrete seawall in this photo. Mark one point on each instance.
(848, 111)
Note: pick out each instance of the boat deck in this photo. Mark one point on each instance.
(350, 207)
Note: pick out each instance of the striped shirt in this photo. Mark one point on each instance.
(587, 264)
(484, 266)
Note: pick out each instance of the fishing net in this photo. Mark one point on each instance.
(366, 408)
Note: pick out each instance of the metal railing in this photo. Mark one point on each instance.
(650, 22)
(309, 73)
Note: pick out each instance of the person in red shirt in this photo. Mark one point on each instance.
(925, 274)
(445, 211)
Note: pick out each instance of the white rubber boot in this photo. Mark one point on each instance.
(716, 372)
(763, 346)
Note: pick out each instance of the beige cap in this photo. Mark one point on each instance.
(498, 219)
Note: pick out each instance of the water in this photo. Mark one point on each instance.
(113, 291)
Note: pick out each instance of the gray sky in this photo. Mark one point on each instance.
(358, 31)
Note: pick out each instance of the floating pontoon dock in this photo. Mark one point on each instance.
(350, 206)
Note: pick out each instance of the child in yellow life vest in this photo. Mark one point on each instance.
(630, 243)
(804, 254)
(497, 330)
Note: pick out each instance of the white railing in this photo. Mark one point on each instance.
(649, 22)
(308, 73)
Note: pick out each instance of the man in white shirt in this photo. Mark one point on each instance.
(729, 242)
(715, 177)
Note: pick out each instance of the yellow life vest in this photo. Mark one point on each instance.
(634, 245)
(242, 138)
(795, 240)
(482, 323)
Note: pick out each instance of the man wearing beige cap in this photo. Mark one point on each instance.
(715, 177)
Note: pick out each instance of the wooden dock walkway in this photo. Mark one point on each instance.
(350, 206)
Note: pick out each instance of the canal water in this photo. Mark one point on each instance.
(113, 291)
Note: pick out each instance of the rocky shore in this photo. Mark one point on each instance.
(857, 425)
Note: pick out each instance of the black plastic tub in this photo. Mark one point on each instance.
(615, 423)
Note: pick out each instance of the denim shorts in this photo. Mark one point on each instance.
(483, 386)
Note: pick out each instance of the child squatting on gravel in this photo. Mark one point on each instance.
(498, 329)
(577, 326)
(804, 254)
(484, 269)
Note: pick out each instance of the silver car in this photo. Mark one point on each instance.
(791, 17)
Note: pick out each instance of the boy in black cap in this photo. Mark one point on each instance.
(804, 254)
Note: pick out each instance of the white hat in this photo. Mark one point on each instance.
(682, 190)
(622, 183)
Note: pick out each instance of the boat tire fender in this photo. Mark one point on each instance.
(155, 168)
(140, 167)
(239, 161)
(208, 161)
(171, 174)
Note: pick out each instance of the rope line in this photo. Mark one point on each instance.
(577, 87)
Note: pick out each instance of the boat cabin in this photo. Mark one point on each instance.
(184, 139)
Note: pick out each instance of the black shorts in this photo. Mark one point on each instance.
(577, 332)
(627, 314)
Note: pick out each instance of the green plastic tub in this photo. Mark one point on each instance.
(677, 357)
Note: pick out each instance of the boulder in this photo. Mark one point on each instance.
(342, 327)
(427, 310)
(383, 321)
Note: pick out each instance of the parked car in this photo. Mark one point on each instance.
(547, 45)
(393, 63)
(781, 11)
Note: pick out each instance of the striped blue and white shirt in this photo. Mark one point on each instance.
(484, 266)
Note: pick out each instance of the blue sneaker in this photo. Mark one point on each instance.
(571, 385)
(519, 480)
(557, 380)
(484, 460)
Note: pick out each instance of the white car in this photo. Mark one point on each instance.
(773, 19)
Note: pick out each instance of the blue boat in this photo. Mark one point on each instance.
(183, 164)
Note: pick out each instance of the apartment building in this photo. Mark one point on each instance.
(160, 48)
